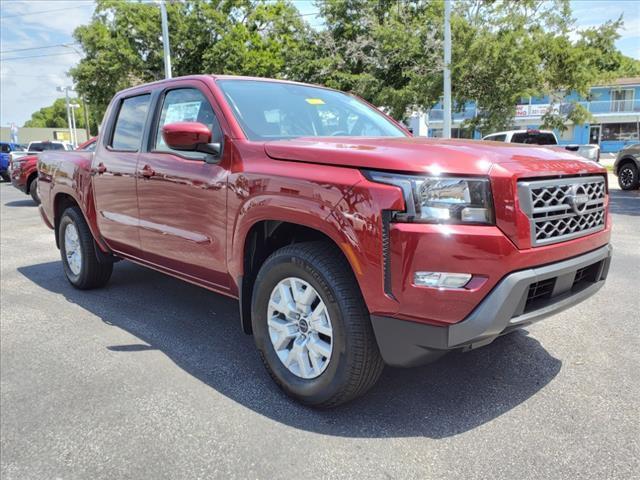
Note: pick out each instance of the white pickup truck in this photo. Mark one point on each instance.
(39, 146)
(544, 137)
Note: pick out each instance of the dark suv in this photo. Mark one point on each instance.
(627, 166)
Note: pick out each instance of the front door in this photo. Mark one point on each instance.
(594, 135)
(114, 176)
(181, 197)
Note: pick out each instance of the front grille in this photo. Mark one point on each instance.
(563, 209)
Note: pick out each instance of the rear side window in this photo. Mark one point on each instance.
(90, 148)
(534, 138)
(127, 133)
(45, 146)
(497, 138)
(5, 148)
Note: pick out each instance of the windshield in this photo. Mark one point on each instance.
(277, 110)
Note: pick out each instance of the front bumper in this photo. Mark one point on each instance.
(519, 299)
(15, 181)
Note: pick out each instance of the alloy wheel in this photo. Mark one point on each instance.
(72, 248)
(300, 328)
(626, 177)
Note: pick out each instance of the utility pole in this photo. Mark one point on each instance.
(446, 130)
(86, 118)
(165, 40)
(74, 139)
(66, 96)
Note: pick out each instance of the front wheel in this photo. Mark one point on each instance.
(628, 177)
(33, 190)
(312, 327)
(77, 248)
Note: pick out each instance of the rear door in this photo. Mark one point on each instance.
(181, 197)
(114, 174)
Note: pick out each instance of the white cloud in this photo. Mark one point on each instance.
(28, 84)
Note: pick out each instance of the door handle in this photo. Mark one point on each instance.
(100, 169)
(148, 172)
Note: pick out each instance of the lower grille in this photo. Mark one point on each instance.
(563, 209)
(544, 292)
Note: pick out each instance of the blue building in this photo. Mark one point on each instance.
(615, 108)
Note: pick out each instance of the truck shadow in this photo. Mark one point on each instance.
(21, 203)
(200, 332)
(623, 202)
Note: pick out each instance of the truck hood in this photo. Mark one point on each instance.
(431, 156)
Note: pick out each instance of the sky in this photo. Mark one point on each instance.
(40, 28)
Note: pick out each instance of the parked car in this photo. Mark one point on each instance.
(348, 243)
(544, 137)
(23, 169)
(5, 149)
(627, 167)
(39, 146)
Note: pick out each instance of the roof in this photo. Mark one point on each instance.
(220, 77)
(620, 81)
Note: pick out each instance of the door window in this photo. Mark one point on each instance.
(186, 105)
(127, 133)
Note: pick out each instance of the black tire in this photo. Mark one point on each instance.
(355, 363)
(5, 177)
(33, 190)
(628, 176)
(92, 274)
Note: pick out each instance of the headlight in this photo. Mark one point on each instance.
(441, 199)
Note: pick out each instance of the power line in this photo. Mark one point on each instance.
(38, 56)
(39, 48)
(2, 17)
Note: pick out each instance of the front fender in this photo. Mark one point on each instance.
(348, 213)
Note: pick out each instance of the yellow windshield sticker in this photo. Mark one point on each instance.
(314, 101)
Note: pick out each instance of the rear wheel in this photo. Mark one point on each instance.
(5, 176)
(312, 327)
(628, 176)
(77, 248)
(33, 190)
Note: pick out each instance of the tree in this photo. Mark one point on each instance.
(504, 51)
(55, 115)
(123, 44)
(388, 52)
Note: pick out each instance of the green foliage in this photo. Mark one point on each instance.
(387, 51)
(123, 43)
(55, 115)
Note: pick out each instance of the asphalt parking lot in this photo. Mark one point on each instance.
(152, 378)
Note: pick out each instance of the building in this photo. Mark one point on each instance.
(26, 135)
(615, 108)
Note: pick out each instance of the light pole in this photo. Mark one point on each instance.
(446, 130)
(165, 40)
(74, 140)
(66, 96)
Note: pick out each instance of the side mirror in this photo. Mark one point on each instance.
(189, 136)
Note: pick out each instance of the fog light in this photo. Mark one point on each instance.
(441, 279)
(479, 215)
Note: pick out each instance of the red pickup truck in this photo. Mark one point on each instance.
(24, 170)
(348, 243)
